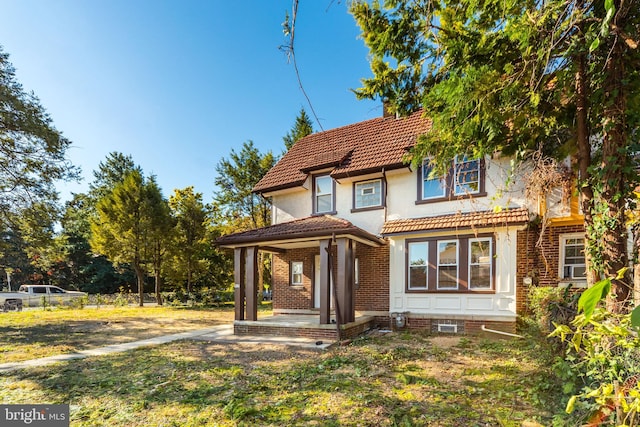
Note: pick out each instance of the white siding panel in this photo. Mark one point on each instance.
(448, 303)
(415, 302)
(480, 303)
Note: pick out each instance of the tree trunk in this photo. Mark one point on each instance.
(614, 161)
(140, 279)
(584, 160)
(158, 280)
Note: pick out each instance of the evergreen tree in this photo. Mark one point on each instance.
(302, 127)
(122, 227)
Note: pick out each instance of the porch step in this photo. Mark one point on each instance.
(301, 326)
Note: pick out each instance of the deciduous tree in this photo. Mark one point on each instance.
(190, 243)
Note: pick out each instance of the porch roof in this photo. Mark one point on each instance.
(457, 221)
(299, 233)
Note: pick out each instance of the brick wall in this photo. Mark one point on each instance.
(540, 262)
(286, 296)
(373, 284)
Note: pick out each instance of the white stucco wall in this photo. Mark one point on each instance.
(401, 198)
(498, 306)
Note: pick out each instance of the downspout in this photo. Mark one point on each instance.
(384, 179)
(484, 328)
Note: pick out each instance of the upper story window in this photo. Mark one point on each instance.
(368, 194)
(465, 178)
(323, 194)
(432, 186)
(463, 264)
(572, 261)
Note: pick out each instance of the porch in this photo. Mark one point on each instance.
(325, 287)
(302, 325)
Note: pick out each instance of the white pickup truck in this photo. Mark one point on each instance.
(35, 295)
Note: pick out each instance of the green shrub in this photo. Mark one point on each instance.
(551, 304)
(602, 361)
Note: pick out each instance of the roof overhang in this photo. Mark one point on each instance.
(457, 222)
(305, 232)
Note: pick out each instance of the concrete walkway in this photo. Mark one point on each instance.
(221, 333)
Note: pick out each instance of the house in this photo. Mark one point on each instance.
(357, 233)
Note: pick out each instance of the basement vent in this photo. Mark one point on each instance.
(447, 328)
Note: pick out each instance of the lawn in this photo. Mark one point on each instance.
(32, 334)
(395, 379)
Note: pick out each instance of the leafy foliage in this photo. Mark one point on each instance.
(188, 261)
(32, 152)
(602, 362)
(519, 77)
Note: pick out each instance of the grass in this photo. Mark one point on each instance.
(397, 379)
(32, 334)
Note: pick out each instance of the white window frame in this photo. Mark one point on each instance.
(490, 263)
(358, 188)
(561, 261)
(294, 264)
(425, 286)
(457, 264)
(316, 194)
(426, 170)
(458, 163)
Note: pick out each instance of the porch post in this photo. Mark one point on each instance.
(344, 279)
(239, 283)
(251, 274)
(325, 289)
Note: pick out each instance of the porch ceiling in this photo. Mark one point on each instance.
(300, 233)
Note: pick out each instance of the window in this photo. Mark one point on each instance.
(480, 264)
(296, 273)
(463, 264)
(323, 194)
(448, 264)
(464, 179)
(432, 186)
(418, 265)
(572, 263)
(367, 194)
(466, 176)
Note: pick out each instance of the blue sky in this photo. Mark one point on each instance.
(178, 84)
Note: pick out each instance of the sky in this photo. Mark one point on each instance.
(178, 84)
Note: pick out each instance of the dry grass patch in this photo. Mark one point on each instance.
(32, 334)
(390, 380)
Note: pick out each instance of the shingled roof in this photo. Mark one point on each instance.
(357, 149)
(457, 221)
(311, 228)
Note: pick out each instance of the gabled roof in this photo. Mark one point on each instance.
(310, 228)
(357, 149)
(457, 221)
